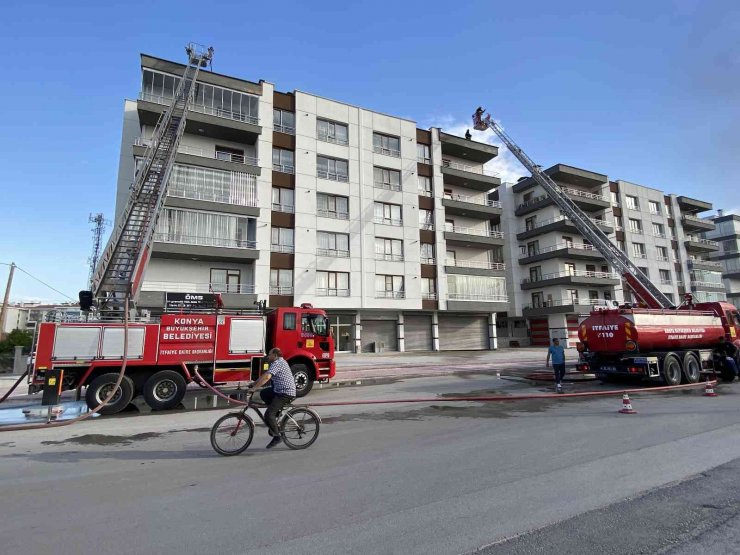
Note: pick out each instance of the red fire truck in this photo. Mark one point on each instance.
(162, 355)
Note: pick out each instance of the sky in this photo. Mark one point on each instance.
(646, 91)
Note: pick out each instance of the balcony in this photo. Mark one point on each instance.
(325, 137)
(395, 222)
(426, 226)
(472, 237)
(423, 160)
(467, 149)
(696, 224)
(285, 249)
(566, 174)
(202, 120)
(284, 290)
(425, 193)
(428, 261)
(285, 208)
(323, 292)
(333, 214)
(284, 168)
(471, 177)
(465, 205)
(693, 205)
(332, 253)
(699, 264)
(577, 251)
(387, 151)
(696, 244)
(233, 295)
(584, 199)
(209, 158)
(390, 294)
(472, 302)
(474, 268)
(287, 129)
(387, 186)
(194, 247)
(559, 223)
(429, 296)
(707, 286)
(389, 257)
(331, 176)
(579, 277)
(559, 306)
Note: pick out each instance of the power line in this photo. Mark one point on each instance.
(40, 281)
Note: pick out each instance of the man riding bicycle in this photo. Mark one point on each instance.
(280, 393)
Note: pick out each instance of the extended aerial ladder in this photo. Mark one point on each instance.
(637, 281)
(119, 274)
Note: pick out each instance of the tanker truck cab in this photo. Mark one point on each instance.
(304, 336)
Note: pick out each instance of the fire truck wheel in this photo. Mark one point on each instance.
(101, 387)
(691, 368)
(303, 379)
(671, 370)
(164, 390)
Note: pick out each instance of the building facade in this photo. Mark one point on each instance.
(727, 258)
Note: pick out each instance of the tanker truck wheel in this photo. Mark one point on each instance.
(671, 370)
(303, 379)
(101, 387)
(691, 368)
(164, 390)
(726, 374)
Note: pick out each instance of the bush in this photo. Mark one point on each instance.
(16, 338)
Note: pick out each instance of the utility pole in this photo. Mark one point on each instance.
(100, 223)
(4, 309)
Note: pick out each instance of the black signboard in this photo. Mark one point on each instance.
(189, 301)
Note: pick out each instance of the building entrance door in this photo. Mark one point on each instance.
(342, 326)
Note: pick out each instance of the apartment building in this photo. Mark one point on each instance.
(293, 198)
(727, 258)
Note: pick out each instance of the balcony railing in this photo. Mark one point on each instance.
(187, 287)
(467, 168)
(332, 176)
(429, 296)
(390, 294)
(557, 247)
(197, 151)
(281, 289)
(474, 231)
(481, 201)
(666, 281)
(428, 260)
(483, 265)
(329, 139)
(287, 208)
(388, 221)
(706, 284)
(333, 214)
(332, 253)
(576, 273)
(556, 219)
(711, 263)
(387, 186)
(283, 168)
(659, 235)
(564, 302)
(702, 241)
(287, 249)
(639, 255)
(200, 240)
(389, 257)
(691, 218)
(209, 110)
(425, 193)
(241, 194)
(478, 297)
(661, 258)
(423, 160)
(583, 194)
(323, 292)
(287, 129)
(387, 151)
(426, 225)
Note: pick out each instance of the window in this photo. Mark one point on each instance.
(535, 274)
(665, 276)
(283, 200)
(283, 121)
(384, 178)
(387, 144)
(645, 271)
(388, 214)
(425, 186)
(607, 295)
(427, 253)
(450, 258)
(423, 154)
(533, 248)
(282, 239)
(449, 225)
(332, 132)
(428, 289)
(632, 202)
(615, 198)
(658, 230)
(212, 185)
(387, 286)
(537, 300)
(332, 206)
(527, 197)
(638, 250)
(228, 154)
(388, 249)
(530, 223)
(283, 160)
(572, 295)
(289, 321)
(197, 227)
(662, 254)
(281, 281)
(593, 296)
(620, 245)
(654, 207)
(635, 225)
(618, 223)
(426, 219)
(225, 281)
(332, 168)
(590, 269)
(675, 255)
(570, 269)
(332, 284)
(332, 244)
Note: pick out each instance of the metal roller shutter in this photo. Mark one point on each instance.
(417, 330)
(463, 333)
(379, 331)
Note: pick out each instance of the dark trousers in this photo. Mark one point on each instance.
(731, 364)
(275, 403)
(559, 370)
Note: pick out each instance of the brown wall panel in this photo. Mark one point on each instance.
(426, 236)
(426, 203)
(281, 300)
(282, 140)
(281, 260)
(284, 101)
(428, 271)
(427, 304)
(617, 210)
(613, 187)
(620, 235)
(423, 137)
(281, 219)
(285, 180)
(424, 169)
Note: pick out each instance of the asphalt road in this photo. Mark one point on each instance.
(553, 476)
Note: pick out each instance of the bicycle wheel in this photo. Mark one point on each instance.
(300, 428)
(232, 434)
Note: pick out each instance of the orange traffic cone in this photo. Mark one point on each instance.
(627, 405)
(709, 389)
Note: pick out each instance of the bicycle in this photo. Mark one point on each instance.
(233, 432)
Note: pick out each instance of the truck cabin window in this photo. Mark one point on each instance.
(315, 323)
(289, 321)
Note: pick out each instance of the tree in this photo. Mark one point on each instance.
(15, 338)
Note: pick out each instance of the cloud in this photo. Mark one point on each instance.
(505, 164)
